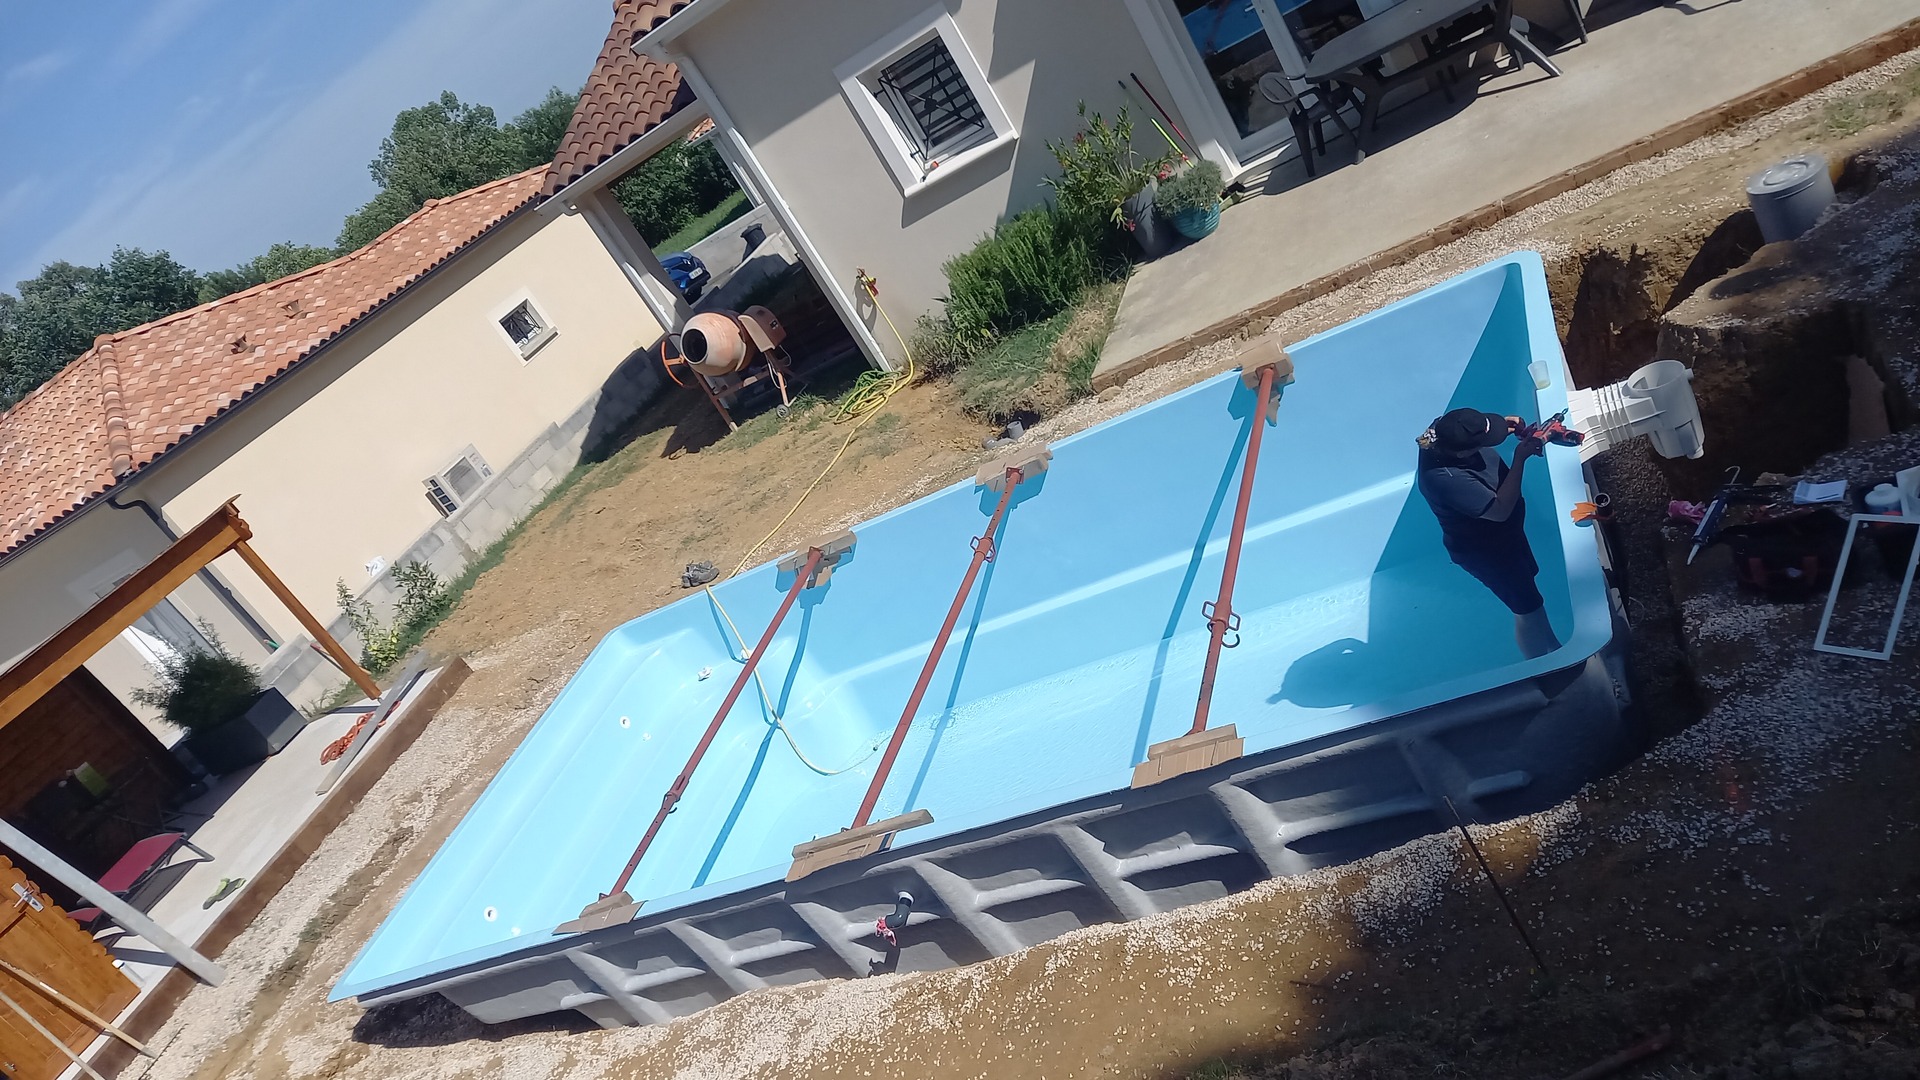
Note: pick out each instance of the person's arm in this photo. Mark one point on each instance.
(1508, 495)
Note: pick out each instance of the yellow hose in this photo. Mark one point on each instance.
(773, 713)
(870, 392)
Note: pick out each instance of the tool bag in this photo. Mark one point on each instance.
(1789, 557)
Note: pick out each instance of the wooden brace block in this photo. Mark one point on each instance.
(602, 913)
(1188, 753)
(850, 844)
(1264, 351)
(1030, 460)
(832, 547)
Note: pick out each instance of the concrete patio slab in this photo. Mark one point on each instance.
(1434, 163)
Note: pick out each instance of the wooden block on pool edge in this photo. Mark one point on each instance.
(1188, 753)
(602, 913)
(850, 844)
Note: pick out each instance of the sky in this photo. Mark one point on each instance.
(214, 128)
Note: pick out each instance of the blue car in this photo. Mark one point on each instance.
(688, 273)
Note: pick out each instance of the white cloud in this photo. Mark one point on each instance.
(44, 66)
(165, 20)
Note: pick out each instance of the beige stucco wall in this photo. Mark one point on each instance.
(329, 464)
(771, 65)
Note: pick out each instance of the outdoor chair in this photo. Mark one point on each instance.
(141, 876)
(1308, 111)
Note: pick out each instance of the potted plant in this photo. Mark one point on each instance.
(217, 700)
(1103, 176)
(1191, 200)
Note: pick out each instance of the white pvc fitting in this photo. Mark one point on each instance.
(1656, 402)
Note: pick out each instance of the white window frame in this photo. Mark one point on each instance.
(856, 75)
(438, 481)
(539, 312)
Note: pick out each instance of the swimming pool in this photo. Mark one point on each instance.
(1372, 678)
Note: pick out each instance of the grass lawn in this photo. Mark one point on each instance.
(705, 225)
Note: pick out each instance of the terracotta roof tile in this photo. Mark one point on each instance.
(627, 95)
(136, 394)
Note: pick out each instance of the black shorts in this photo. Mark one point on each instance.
(1508, 570)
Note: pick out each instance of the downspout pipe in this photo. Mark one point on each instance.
(239, 611)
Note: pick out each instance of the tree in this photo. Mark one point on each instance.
(668, 190)
(279, 261)
(447, 146)
(536, 133)
(59, 312)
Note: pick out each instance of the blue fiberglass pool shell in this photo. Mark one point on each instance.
(1081, 644)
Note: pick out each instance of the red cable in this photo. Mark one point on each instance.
(982, 552)
(679, 786)
(1223, 618)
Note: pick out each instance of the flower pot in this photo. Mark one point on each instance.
(268, 725)
(1145, 224)
(1194, 224)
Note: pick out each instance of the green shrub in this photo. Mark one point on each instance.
(424, 600)
(200, 689)
(1100, 169)
(1196, 187)
(1030, 268)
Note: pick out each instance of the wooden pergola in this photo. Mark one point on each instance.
(223, 531)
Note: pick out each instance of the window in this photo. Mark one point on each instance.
(924, 101)
(449, 489)
(160, 633)
(928, 98)
(526, 328)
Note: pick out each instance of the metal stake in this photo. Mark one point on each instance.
(1512, 915)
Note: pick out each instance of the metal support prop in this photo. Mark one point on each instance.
(1265, 366)
(1221, 617)
(617, 906)
(679, 786)
(984, 550)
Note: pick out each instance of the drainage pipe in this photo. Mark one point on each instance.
(1220, 614)
(983, 552)
(679, 786)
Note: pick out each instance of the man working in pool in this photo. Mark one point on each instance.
(1483, 516)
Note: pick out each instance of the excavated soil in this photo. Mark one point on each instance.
(1745, 887)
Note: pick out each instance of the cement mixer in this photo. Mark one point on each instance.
(730, 352)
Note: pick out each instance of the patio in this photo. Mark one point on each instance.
(259, 825)
(1648, 66)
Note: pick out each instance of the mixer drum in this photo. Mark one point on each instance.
(715, 344)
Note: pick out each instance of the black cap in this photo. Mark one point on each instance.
(1467, 429)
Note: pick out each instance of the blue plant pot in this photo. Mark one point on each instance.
(1194, 224)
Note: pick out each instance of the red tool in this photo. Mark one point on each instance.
(1553, 430)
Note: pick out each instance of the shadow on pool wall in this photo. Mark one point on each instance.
(1373, 678)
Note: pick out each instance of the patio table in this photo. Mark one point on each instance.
(1354, 57)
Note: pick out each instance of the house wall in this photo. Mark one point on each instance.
(772, 67)
(329, 465)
